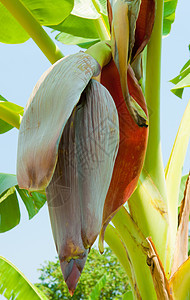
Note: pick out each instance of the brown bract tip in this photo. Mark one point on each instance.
(72, 270)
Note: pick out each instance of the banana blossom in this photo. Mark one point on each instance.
(82, 142)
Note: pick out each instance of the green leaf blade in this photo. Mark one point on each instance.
(7, 181)
(77, 26)
(46, 12)
(174, 167)
(11, 113)
(9, 205)
(33, 202)
(9, 212)
(169, 15)
(11, 32)
(14, 285)
(182, 80)
(69, 39)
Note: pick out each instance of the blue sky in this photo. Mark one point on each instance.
(31, 243)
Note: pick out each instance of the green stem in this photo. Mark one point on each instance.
(10, 117)
(113, 239)
(137, 248)
(34, 29)
(102, 29)
(149, 211)
(153, 162)
(148, 205)
(101, 52)
(100, 24)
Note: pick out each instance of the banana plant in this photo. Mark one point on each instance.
(89, 140)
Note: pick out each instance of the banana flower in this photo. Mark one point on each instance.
(68, 142)
(81, 141)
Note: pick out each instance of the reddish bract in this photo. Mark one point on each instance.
(144, 26)
(132, 147)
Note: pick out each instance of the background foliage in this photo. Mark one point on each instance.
(54, 287)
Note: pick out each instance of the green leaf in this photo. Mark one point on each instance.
(90, 9)
(9, 210)
(88, 20)
(69, 39)
(95, 294)
(15, 110)
(128, 296)
(14, 285)
(85, 9)
(182, 188)
(77, 26)
(182, 80)
(87, 45)
(103, 6)
(186, 65)
(174, 168)
(9, 205)
(11, 32)
(7, 181)
(33, 202)
(169, 15)
(45, 11)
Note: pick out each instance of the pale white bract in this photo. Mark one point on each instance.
(47, 111)
(68, 143)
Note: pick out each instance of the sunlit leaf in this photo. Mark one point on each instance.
(77, 26)
(11, 32)
(175, 164)
(169, 15)
(14, 285)
(69, 39)
(18, 110)
(180, 282)
(84, 22)
(45, 11)
(102, 6)
(182, 80)
(85, 9)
